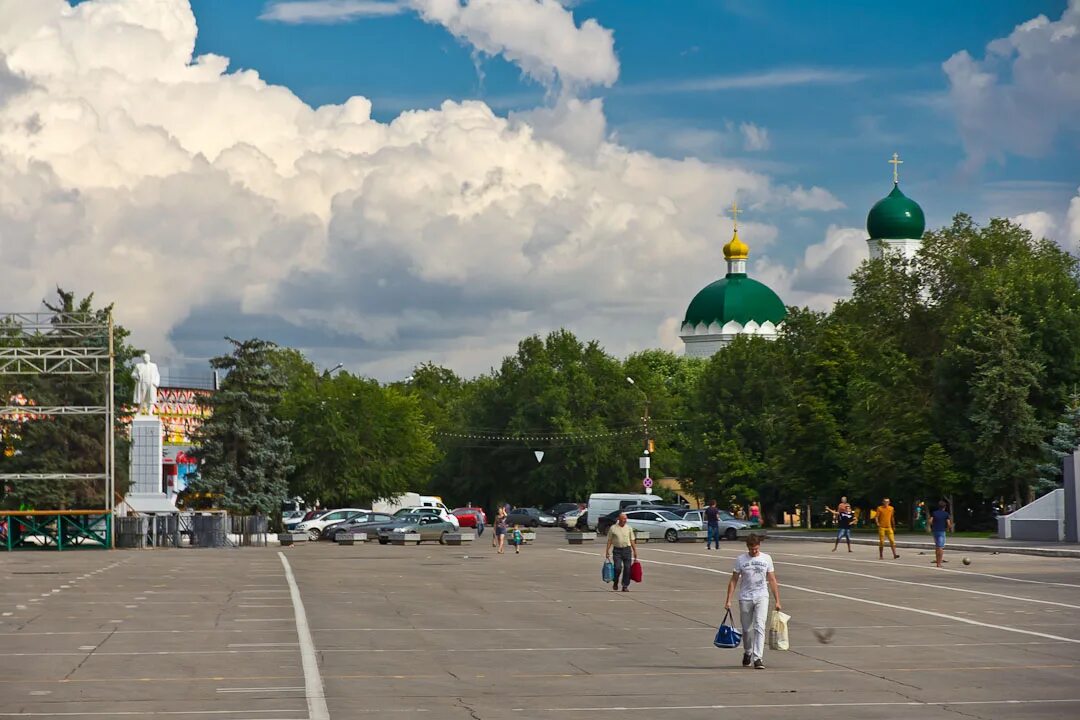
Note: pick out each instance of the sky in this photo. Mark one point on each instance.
(384, 183)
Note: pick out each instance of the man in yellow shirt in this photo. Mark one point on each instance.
(620, 538)
(886, 524)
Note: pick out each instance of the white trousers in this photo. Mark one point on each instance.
(754, 613)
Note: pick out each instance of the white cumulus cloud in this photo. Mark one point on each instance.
(820, 278)
(206, 202)
(1023, 93)
(540, 36)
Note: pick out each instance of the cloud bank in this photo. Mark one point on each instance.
(206, 202)
(1023, 93)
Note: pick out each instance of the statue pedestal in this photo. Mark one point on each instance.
(146, 471)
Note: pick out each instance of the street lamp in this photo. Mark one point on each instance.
(645, 460)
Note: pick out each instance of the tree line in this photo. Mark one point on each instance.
(954, 375)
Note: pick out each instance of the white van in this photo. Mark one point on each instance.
(600, 504)
(409, 499)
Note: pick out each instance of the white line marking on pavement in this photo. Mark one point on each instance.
(259, 689)
(931, 613)
(766, 706)
(902, 582)
(313, 684)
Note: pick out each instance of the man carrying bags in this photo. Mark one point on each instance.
(620, 537)
(755, 576)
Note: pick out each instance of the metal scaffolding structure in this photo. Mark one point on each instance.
(81, 344)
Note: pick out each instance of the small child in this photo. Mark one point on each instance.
(516, 540)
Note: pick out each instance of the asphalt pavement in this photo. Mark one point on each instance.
(433, 631)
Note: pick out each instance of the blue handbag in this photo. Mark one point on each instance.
(608, 572)
(727, 636)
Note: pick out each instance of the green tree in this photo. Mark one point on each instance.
(244, 450)
(355, 441)
(1064, 441)
(1007, 435)
(556, 394)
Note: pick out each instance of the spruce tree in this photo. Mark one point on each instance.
(243, 448)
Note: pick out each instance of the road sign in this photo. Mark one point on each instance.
(539, 455)
(647, 482)
(643, 462)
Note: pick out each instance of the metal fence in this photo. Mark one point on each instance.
(251, 530)
(208, 529)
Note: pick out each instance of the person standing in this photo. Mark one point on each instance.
(755, 576)
(712, 526)
(621, 545)
(844, 519)
(499, 539)
(940, 523)
(886, 528)
(755, 514)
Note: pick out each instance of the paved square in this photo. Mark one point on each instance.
(450, 632)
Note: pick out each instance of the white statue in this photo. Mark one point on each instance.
(147, 381)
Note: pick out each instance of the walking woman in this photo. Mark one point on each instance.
(499, 540)
(755, 576)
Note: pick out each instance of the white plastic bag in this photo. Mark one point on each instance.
(778, 634)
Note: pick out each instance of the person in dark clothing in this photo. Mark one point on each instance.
(845, 518)
(712, 526)
(940, 523)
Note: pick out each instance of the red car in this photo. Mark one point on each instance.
(467, 516)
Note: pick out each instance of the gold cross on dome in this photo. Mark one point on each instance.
(896, 162)
(735, 213)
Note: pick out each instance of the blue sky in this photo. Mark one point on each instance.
(881, 89)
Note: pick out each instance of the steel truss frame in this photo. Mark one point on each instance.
(89, 349)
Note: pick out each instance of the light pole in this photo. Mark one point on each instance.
(645, 460)
(331, 371)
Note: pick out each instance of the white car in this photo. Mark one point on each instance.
(315, 525)
(659, 523)
(731, 527)
(438, 511)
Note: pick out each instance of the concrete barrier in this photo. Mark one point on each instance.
(404, 538)
(580, 538)
(351, 538)
(643, 536)
(292, 538)
(528, 536)
(692, 536)
(459, 538)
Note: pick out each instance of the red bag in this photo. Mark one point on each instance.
(635, 571)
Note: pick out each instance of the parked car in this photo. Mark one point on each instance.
(468, 516)
(362, 523)
(730, 526)
(659, 523)
(529, 517)
(440, 512)
(314, 527)
(570, 518)
(561, 508)
(608, 520)
(430, 527)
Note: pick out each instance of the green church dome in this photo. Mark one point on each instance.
(896, 217)
(735, 297)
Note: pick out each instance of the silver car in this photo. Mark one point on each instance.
(731, 527)
(659, 523)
